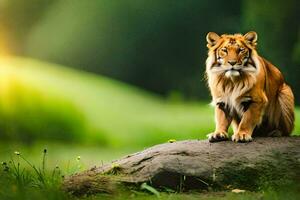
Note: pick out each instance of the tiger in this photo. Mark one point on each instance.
(248, 92)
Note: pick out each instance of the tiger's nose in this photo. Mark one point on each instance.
(232, 62)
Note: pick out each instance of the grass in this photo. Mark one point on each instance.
(65, 154)
(25, 115)
(22, 178)
(112, 112)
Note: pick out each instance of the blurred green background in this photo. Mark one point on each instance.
(124, 74)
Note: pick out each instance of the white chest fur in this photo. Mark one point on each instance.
(233, 97)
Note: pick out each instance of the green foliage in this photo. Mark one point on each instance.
(99, 110)
(280, 46)
(296, 54)
(23, 180)
(150, 189)
(26, 115)
(157, 45)
(160, 45)
(115, 169)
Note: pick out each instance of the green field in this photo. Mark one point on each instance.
(109, 112)
(74, 113)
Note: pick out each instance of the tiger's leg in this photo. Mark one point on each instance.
(235, 125)
(250, 119)
(223, 121)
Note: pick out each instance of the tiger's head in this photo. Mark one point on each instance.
(231, 55)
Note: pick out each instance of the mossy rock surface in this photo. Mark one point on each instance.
(193, 164)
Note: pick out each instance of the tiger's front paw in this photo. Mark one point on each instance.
(217, 136)
(242, 137)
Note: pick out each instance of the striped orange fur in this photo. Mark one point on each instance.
(248, 92)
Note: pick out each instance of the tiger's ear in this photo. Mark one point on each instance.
(251, 38)
(212, 38)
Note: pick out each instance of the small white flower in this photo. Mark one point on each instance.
(78, 158)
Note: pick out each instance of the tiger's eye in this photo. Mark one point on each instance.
(241, 49)
(224, 49)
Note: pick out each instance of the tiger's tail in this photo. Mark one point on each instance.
(286, 103)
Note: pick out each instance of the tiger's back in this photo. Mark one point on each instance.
(279, 114)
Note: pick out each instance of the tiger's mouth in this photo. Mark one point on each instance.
(233, 69)
(233, 72)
